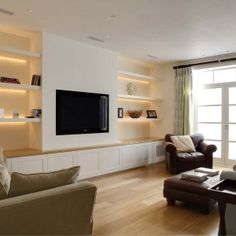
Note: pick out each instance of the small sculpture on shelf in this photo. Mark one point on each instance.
(131, 89)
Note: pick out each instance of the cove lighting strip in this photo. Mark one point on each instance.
(133, 80)
(132, 100)
(12, 59)
(12, 91)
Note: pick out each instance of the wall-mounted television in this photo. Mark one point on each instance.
(81, 112)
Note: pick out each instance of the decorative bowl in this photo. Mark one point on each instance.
(134, 113)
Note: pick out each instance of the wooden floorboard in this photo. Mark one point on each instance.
(132, 203)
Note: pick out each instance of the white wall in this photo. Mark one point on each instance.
(164, 89)
(72, 65)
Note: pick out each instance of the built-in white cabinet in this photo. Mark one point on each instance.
(92, 162)
(28, 165)
(130, 156)
(110, 159)
(60, 161)
(88, 162)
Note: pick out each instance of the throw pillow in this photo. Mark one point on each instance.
(2, 160)
(29, 183)
(183, 143)
(5, 180)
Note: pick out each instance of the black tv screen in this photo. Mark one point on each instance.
(80, 112)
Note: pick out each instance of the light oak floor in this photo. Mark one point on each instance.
(132, 203)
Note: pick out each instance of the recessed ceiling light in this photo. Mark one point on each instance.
(96, 39)
(151, 56)
(29, 12)
(4, 11)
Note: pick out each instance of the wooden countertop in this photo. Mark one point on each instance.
(35, 152)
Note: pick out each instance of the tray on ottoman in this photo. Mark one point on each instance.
(195, 193)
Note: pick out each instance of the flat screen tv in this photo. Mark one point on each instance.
(81, 113)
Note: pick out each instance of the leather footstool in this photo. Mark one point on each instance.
(190, 192)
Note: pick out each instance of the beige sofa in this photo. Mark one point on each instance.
(62, 210)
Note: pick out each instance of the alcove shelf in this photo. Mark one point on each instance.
(19, 52)
(127, 119)
(135, 76)
(13, 120)
(19, 86)
(131, 97)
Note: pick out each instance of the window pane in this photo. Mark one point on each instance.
(232, 114)
(223, 76)
(209, 114)
(232, 95)
(203, 77)
(209, 97)
(210, 131)
(216, 154)
(232, 132)
(232, 151)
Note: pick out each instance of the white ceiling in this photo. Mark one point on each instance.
(171, 30)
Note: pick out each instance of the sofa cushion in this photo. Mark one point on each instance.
(5, 180)
(183, 143)
(190, 156)
(29, 183)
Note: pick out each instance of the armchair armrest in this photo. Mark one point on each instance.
(228, 175)
(63, 210)
(207, 149)
(170, 147)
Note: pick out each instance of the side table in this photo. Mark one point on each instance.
(223, 192)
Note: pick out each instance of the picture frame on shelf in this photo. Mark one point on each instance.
(120, 112)
(151, 114)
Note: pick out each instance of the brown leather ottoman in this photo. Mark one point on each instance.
(190, 192)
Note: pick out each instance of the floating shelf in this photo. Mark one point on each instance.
(18, 86)
(20, 52)
(135, 75)
(131, 97)
(138, 119)
(19, 120)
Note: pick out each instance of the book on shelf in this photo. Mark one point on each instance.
(10, 80)
(194, 176)
(36, 80)
(208, 171)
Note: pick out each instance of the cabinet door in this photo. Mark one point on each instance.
(88, 162)
(110, 160)
(28, 165)
(60, 161)
(130, 156)
(144, 153)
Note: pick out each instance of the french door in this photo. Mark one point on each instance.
(216, 119)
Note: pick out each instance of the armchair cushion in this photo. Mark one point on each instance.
(29, 183)
(183, 143)
(190, 156)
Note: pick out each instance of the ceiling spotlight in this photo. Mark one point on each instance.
(4, 11)
(151, 56)
(96, 39)
(29, 12)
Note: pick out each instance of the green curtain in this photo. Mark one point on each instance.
(183, 101)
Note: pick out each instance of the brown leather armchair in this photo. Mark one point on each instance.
(177, 162)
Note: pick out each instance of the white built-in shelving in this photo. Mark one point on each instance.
(136, 76)
(131, 97)
(19, 86)
(19, 120)
(133, 120)
(19, 52)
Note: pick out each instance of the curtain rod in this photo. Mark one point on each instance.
(204, 63)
